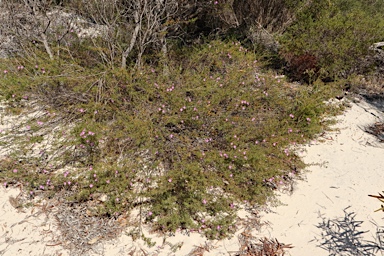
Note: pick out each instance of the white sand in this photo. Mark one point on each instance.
(347, 166)
(27, 232)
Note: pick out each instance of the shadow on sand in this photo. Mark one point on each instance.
(343, 236)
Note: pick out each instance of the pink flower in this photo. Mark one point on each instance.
(91, 185)
(15, 170)
(204, 201)
(5, 71)
(169, 180)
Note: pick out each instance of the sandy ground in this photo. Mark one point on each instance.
(29, 231)
(329, 212)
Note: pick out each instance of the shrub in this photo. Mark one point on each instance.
(337, 34)
(187, 147)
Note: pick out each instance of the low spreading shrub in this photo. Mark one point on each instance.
(188, 147)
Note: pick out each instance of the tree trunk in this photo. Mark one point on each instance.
(136, 31)
(46, 45)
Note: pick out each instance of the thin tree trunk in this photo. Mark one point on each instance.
(126, 53)
(164, 52)
(46, 45)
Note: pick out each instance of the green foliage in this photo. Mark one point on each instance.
(187, 147)
(337, 33)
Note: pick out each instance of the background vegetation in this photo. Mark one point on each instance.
(168, 105)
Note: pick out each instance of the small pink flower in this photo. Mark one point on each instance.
(5, 71)
(91, 185)
(15, 170)
(204, 201)
(291, 116)
(149, 213)
(108, 181)
(169, 180)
